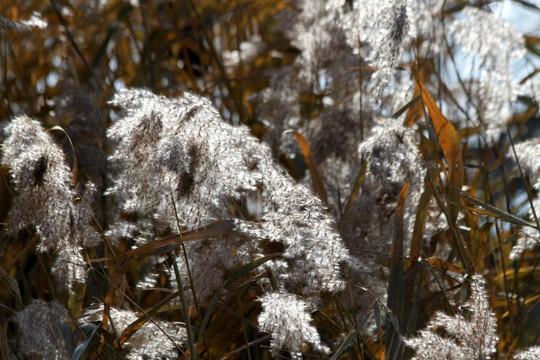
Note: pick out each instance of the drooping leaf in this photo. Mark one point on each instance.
(490, 210)
(74, 171)
(162, 246)
(447, 136)
(318, 186)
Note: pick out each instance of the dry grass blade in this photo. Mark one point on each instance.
(447, 136)
(115, 282)
(406, 107)
(74, 44)
(162, 246)
(395, 284)
(185, 307)
(216, 230)
(419, 225)
(22, 253)
(75, 301)
(415, 307)
(74, 171)
(136, 325)
(354, 193)
(318, 186)
(445, 265)
(80, 350)
(243, 271)
(397, 246)
(350, 338)
(263, 339)
(4, 342)
(491, 210)
(463, 250)
(528, 329)
(12, 285)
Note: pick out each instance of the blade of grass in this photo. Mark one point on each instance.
(76, 47)
(258, 341)
(419, 225)
(10, 283)
(527, 187)
(491, 210)
(318, 185)
(447, 136)
(143, 319)
(115, 282)
(413, 315)
(528, 330)
(100, 54)
(74, 171)
(185, 306)
(191, 284)
(348, 340)
(456, 235)
(4, 342)
(79, 351)
(159, 247)
(171, 243)
(406, 107)
(443, 264)
(377, 314)
(395, 284)
(244, 270)
(75, 301)
(354, 193)
(98, 335)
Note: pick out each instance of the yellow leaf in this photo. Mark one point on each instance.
(318, 186)
(443, 264)
(447, 136)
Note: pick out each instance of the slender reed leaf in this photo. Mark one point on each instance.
(491, 210)
(354, 193)
(244, 270)
(74, 169)
(318, 185)
(11, 284)
(447, 136)
(147, 315)
(395, 284)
